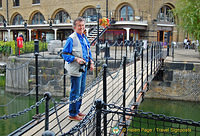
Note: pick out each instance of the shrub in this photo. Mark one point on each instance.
(28, 47)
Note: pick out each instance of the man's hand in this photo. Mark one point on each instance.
(79, 60)
(91, 65)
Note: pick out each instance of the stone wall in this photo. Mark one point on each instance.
(178, 81)
(50, 76)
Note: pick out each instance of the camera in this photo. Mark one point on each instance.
(82, 69)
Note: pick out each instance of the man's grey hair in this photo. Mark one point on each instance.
(78, 19)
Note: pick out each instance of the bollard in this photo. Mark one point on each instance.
(47, 96)
(48, 133)
(64, 81)
(105, 98)
(135, 82)
(36, 52)
(99, 105)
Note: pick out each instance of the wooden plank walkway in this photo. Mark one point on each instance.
(114, 95)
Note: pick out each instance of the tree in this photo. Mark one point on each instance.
(188, 15)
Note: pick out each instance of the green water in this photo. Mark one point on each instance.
(180, 109)
(19, 104)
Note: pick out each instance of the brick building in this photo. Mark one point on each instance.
(151, 20)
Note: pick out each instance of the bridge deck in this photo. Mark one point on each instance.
(114, 95)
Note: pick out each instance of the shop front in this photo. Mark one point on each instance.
(119, 35)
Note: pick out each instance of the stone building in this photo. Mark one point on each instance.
(150, 20)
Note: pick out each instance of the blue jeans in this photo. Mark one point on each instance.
(77, 90)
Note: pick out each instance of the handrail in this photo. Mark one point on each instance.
(99, 35)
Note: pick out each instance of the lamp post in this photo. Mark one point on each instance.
(50, 23)
(97, 45)
(106, 8)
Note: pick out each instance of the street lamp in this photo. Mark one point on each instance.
(50, 23)
(98, 8)
(25, 26)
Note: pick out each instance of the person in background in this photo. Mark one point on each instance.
(185, 42)
(21, 35)
(78, 57)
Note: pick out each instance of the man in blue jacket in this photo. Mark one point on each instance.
(77, 53)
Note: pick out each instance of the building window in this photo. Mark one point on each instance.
(0, 3)
(126, 13)
(165, 15)
(1, 20)
(38, 18)
(62, 17)
(17, 20)
(36, 1)
(90, 15)
(15, 3)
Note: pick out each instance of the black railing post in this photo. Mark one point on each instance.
(142, 70)
(167, 49)
(105, 98)
(126, 47)
(154, 62)
(121, 44)
(124, 91)
(99, 105)
(106, 53)
(115, 54)
(172, 52)
(124, 82)
(135, 76)
(47, 96)
(147, 63)
(151, 58)
(36, 43)
(64, 81)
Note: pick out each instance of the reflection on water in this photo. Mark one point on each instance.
(181, 109)
(19, 104)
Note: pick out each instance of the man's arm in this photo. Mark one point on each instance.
(90, 54)
(68, 50)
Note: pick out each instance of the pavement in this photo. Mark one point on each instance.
(184, 55)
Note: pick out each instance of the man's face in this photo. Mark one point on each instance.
(79, 27)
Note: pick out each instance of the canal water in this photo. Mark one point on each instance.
(18, 104)
(180, 109)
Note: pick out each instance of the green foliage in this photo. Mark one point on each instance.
(5, 47)
(28, 47)
(188, 13)
(2, 81)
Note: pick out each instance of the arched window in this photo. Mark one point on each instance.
(38, 18)
(62, 17)
(1, 20)
(126, 13)
(90, 15)
(165, 15)
(17, 20)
